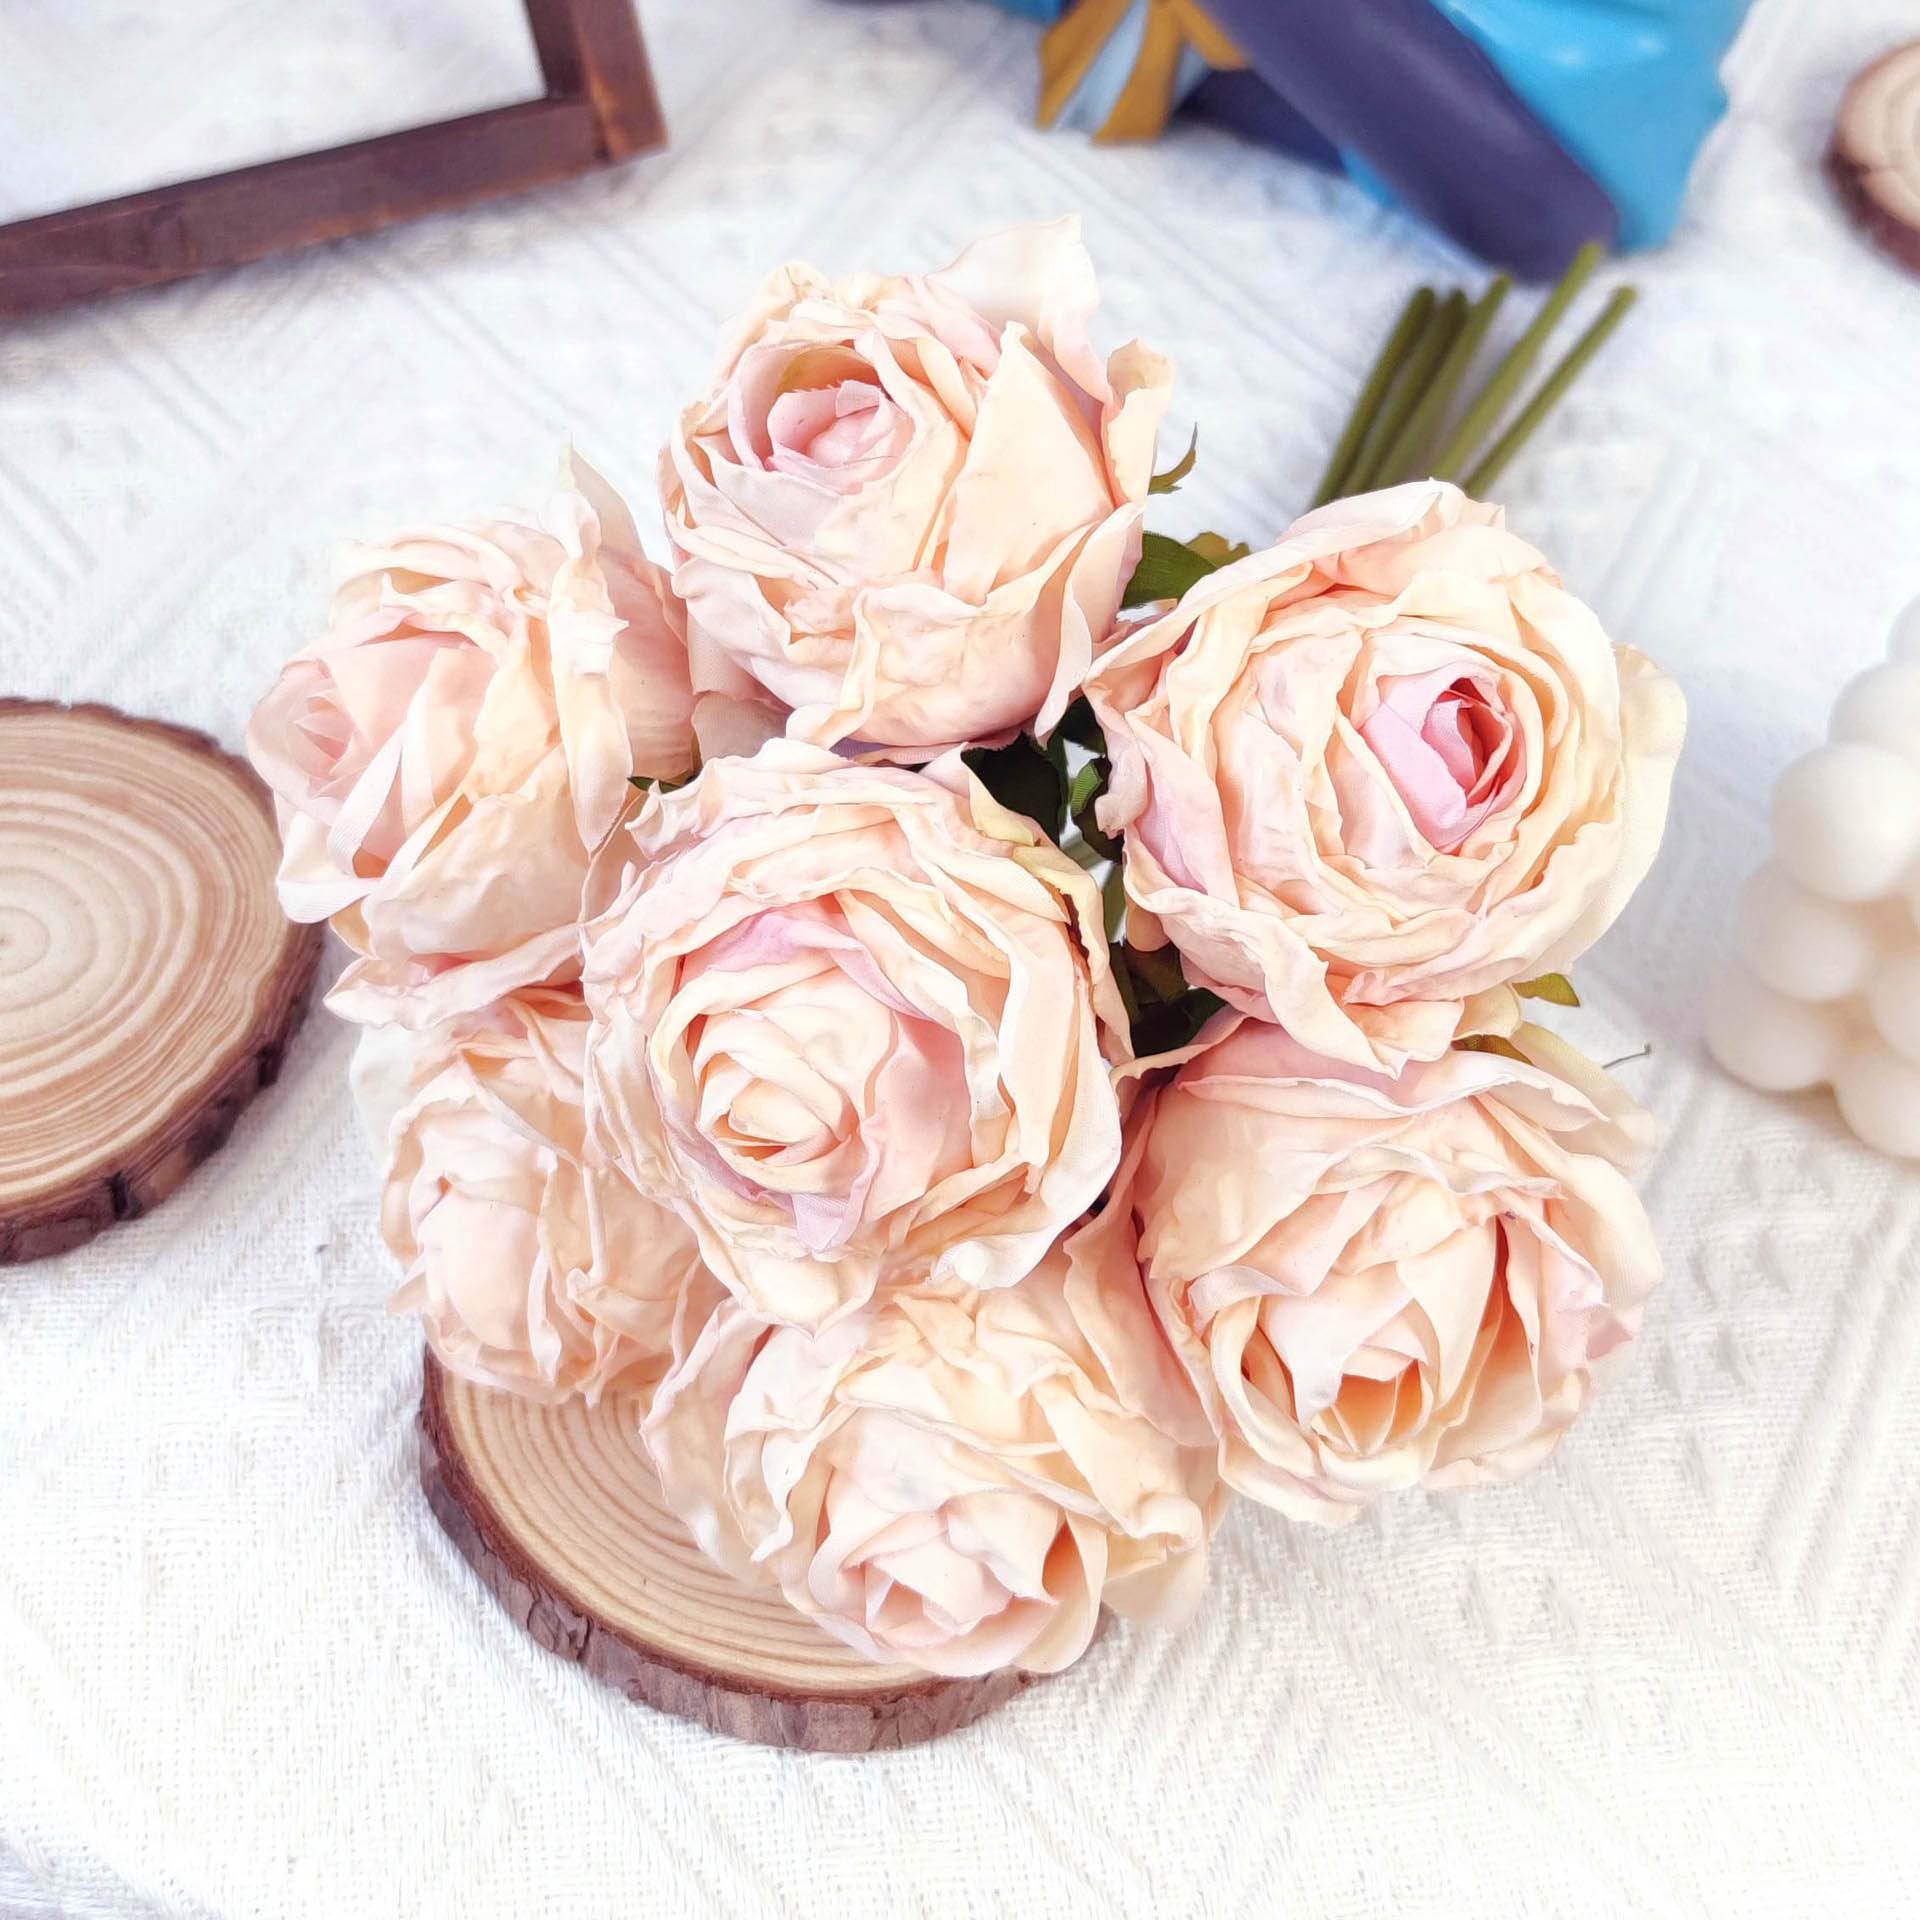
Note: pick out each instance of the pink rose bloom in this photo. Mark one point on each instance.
(447, 758)
(1375, 1282)
(1382, 771)
(949, 1478)
(855, 1022)
(906, 510)
(533, 1266)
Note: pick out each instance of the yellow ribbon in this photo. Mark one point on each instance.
(1073, 43)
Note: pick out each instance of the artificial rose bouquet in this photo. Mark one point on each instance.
(989, 1059)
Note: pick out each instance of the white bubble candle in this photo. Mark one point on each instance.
(1826, 989)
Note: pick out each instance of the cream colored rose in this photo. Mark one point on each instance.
(533, 1266)
(949, 1478)
(856, 1022)
(1380, 771)
(906, 510)
(1376, 1283)
(446, 759)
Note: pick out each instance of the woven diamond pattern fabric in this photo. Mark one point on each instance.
(241, 1670)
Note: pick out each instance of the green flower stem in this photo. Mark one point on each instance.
(1400, 343)
(1552, 388)
(1500, 389)
(1402, 459)
(1435, 338)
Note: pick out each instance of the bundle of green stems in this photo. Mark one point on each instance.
(1404, 425)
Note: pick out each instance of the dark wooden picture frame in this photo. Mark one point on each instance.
(600, 106)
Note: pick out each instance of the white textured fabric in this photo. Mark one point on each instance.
(242, 1672)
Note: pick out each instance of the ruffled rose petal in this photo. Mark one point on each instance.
(905, 513)
(534, 1267)
(949, 1478)
(482, 691)
(855, 1023)
(1374, 1281)
(1383, 769)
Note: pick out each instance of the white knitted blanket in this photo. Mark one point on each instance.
(241, 1670)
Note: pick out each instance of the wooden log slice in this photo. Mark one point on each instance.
(559, 1512)
(148, 980)
(1875, 155)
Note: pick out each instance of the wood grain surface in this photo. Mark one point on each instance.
(148, 980)
(559, 1512)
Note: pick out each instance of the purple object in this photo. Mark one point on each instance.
(1409, 101)
(1243, 103)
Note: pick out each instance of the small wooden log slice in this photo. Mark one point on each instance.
(1875, 155)
(559, 1512)
(148, 980)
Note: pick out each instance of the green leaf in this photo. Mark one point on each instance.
(1082, 796)
(1025, 778)
(1079, 728)
(1555, 987)
(1492, 1043)
(1218, 548)
(1157, 970)
(1167, 569)
(651, 783)
(1173, 1023)
(1113, 902)
(1169, 482)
